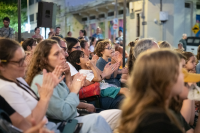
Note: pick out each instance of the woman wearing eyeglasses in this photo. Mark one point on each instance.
(62, 44)
(16, 91)
(72, 45)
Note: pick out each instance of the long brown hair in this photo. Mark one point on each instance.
(39, 59)
(153, 75)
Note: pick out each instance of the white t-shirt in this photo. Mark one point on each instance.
(91, 48)
(20, 100)
(90, 76)
(72, 69)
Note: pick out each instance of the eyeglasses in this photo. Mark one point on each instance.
(64, 49)
(20, 62)
(77, 47)
(109, 48)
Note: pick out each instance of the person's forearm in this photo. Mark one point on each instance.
(192, 113)
(82, 105)
(186, 110)
(39, 111)
(19, 122)
(68, 78)
(97, 77)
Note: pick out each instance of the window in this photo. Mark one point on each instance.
(110, 14)
(138, 25)
(198, 6)
(31, 2)
(58, 9)
(121, 12)
(92, 17)
(84, 19)
(38, 0)
(31, 17)
(102, 16)
(187, 5)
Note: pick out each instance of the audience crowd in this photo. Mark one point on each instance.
(77, 84)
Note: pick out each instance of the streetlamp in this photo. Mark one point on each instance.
(19, 21)
(124, 33)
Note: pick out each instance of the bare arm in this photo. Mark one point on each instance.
(20, 122)
(186, 110)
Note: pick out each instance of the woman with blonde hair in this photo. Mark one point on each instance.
(157, 76)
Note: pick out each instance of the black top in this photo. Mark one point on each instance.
(181, 119)
(6, 107)
(157, 122)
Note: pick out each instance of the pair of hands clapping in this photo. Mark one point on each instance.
(52, 79)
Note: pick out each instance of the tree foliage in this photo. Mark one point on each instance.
(9, 8)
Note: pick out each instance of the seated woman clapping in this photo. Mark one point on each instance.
(88, 67)
(16, 91)
(64, 101)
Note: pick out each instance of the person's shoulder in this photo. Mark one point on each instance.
(11, 28)
(37, 79)
(1, 28)
(6, 87)
(155, 117)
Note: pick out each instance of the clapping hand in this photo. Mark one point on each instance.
(110, 68)
(77, 83)
(39, 128)
(50, 81)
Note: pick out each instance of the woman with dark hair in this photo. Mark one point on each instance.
(83, 35)
(72, 44)
(37, 33)
(16, 91)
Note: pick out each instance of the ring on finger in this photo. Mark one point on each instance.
(78, 80)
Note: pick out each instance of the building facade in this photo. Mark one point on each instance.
(142, 19)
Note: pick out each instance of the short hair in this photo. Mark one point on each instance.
(180, 43)
(142, 45)
(120, 30)
(36, 28)
(57, 27)
(184, 35)
(71, 42)
(28, 42)
(68, 32)
(7, 19)
(84, 32)
(56, 38)
(82, 43)
(99, 41)
(165, 44)
(100, 47)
